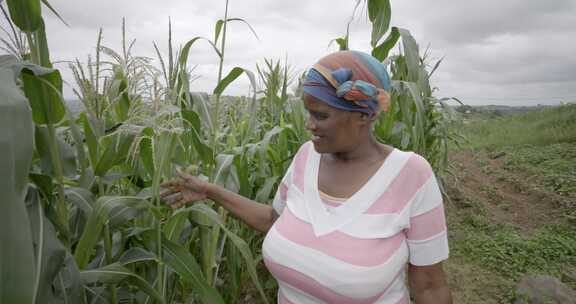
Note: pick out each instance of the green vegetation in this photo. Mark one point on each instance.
(502, 249)
(553, 166)
(513, 157)
(505, 255)
(540, 143)
(537, 127)
(84, 223)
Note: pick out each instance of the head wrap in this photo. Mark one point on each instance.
(351, 81)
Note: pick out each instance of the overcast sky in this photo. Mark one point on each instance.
(513, 52)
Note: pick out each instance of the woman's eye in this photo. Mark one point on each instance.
(319, 116)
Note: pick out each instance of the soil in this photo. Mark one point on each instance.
(481, 181)
(505, 195)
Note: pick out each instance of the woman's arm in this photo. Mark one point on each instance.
(428, 284)
(188, 189)
(256, 215)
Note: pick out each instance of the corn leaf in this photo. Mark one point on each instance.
(42, 88)
(201, 102)
(184, 264)
(91, 139)
(249, 115)
(42, 46)
(211, 215)
(26, 14)
(66, 153)
(17, 264)
(135, 255)
(223, 165)
(379, 13)
(265, 191)
(218, 29)
(205, 152)
(174, 226)
(57, 274)
(116, 273)
(81, 198)
(147, 150)
(411, 54)
(232, 75)
(43, 182)
(114, 210)
(220, 23)
(116, 147)
(186, 50)
(382, 50)
(47, 4)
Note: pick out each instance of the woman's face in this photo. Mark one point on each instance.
(333, 130)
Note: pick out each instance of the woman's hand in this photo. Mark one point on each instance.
(187, 189)
(183, 190)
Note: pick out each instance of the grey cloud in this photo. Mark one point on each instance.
(498, 50)
(472, 21)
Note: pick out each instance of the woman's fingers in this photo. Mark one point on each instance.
(173, 198)
(186, 177)
(171, 183)
(168, 192)
(182, 190)
(179, 202)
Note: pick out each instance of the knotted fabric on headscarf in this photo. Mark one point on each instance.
(351, 81)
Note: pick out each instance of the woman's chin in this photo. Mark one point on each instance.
(320, 147)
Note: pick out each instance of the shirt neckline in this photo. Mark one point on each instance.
(326, 220)
(344, 200)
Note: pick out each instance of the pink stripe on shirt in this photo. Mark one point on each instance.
(355, 251)
(312, 287)
(403, 188)
(427, 224)
(283, 188)
(300, 165)
(405, 299)
(282, 298)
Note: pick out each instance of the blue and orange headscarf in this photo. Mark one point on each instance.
(351, 81)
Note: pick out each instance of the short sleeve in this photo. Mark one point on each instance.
(427, 235)
(294, 175)
(279, 201)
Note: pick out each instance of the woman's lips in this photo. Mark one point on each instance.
(316, 138)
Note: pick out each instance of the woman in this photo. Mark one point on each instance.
(352, 217)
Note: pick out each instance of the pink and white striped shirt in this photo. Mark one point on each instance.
(355, 252)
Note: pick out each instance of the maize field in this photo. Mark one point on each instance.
(82, 220)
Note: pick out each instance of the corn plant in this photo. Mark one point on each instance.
(18, 267)
(416, 120)
(15, 43)
(88, 224)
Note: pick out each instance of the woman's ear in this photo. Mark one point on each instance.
(369, 117)
(362, 119)
(365, 118)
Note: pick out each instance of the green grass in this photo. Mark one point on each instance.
(553, 166)
(540, 143)
(538, 127)
(502, 249)
(537, 150)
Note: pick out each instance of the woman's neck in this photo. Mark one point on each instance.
(368, 149)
